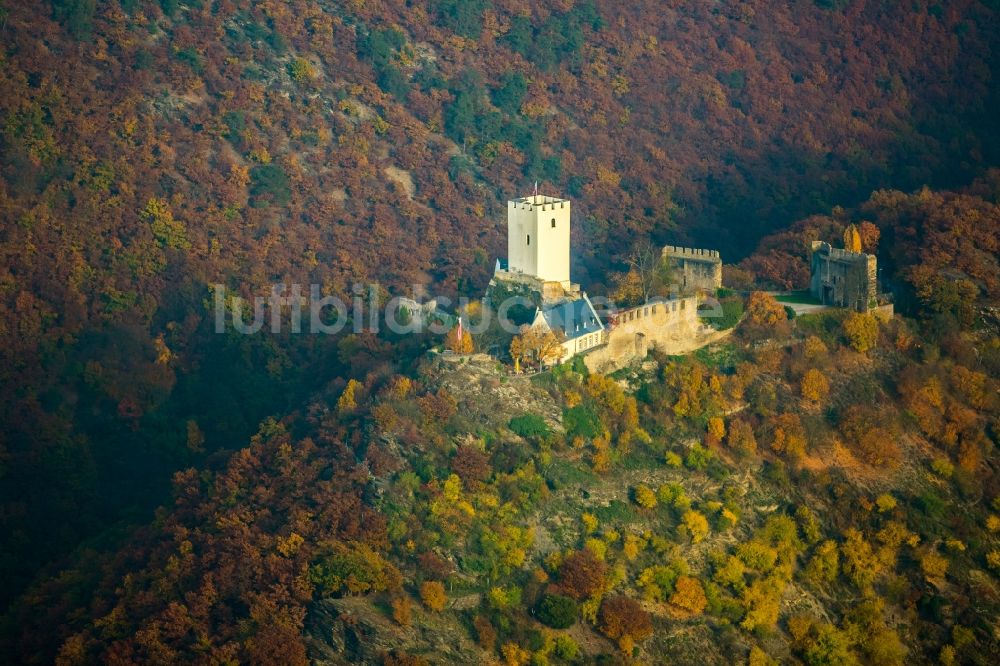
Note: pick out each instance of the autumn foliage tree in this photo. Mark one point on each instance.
(741, 437)
(402, 611)
(688, 598)
(459, 340)
(763, 310)
(766, 317)
(870, 235)
(814, 386)
(582, 574)
(788, 436)
(348, 400)
(433, 595)
(861, 330)
(537, 343)
(624, 618)
(471, 465)
(852, 239)
(644, 496)
(353, 569)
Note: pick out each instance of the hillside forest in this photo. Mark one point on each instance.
(816, 489)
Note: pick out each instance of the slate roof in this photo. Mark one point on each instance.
(574, 318)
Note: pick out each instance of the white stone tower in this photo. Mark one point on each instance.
(538, 238)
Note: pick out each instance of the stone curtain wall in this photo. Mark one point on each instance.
(669, 326)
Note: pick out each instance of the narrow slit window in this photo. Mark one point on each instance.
(553, 223)
(529, 239)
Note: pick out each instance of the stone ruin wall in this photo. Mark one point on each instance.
(852, 277)
(668, 326)
(695, 268)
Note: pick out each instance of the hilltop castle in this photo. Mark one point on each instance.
(538, 263)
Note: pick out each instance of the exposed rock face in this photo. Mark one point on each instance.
(486, 396)
(354, 630)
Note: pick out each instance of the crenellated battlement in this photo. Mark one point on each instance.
(661, 307)
(839, 254)
(692, 253)
(538, 202)
(695, 269)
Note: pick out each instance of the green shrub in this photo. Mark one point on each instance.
(616, 511)
(269, 184)
(190, 57)
(557, 611)
(510, 94)
(394, 82)
(464, 17)
(702, 459)
(566, 648)
(143, 60)
(726, 316)
(529, 426)
(236, 123)
(581, 421)
(699, 458)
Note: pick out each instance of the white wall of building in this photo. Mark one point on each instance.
(538, 237)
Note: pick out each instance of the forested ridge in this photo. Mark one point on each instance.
(816, 489)
(149, 150)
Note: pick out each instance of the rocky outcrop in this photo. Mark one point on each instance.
(354, 630)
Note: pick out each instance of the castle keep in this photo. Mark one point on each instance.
(696, 270)
(538, 238)
(843, 278)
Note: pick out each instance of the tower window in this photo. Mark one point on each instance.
(553, 223)
(529, 239)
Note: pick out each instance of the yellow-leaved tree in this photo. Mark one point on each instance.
(535, 343)
(815, 386)
(852, 239)
(861, 330)
(459, 340)
(167, 231)
(688, 598)
(348, 399)
(433, 595)
(763, 310)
